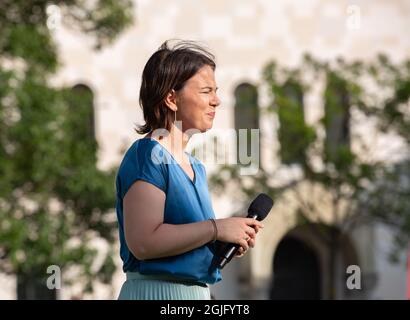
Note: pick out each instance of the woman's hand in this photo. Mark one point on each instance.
(251, 243)
(240, 231)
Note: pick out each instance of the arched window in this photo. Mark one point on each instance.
(246, 115)
(82, 103)
(337, 117)
(80, 118)
(294, 136)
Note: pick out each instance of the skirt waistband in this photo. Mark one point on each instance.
(163, 277)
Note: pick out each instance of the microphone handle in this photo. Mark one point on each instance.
(228, 255)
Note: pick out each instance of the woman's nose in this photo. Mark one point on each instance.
(215, 100)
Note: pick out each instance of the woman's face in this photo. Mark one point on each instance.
(197, 101)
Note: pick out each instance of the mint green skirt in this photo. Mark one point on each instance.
(159, 287)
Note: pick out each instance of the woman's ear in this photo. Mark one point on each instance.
(171, 100)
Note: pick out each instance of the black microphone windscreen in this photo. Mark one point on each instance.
(261, 206)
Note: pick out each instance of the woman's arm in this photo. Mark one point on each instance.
(148, 237)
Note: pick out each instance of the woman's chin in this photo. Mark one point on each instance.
(203, 129)
(205, 126)
(208, 127)
(209, 124)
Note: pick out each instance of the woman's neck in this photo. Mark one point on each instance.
(175, 142)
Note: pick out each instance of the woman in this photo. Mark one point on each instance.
(167, 226)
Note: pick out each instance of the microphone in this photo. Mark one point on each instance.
(258, 209)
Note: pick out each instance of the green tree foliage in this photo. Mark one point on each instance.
(390, 193)
(53, 199)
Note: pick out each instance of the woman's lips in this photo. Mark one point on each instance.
(211, 114)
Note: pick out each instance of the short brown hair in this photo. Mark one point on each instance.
(168, 69)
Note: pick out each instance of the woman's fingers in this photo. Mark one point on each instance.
(253, 222)
(244, 244)
(241, 251)
(251, 232)
(251, 243)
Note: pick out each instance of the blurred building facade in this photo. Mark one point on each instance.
(244, 36)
